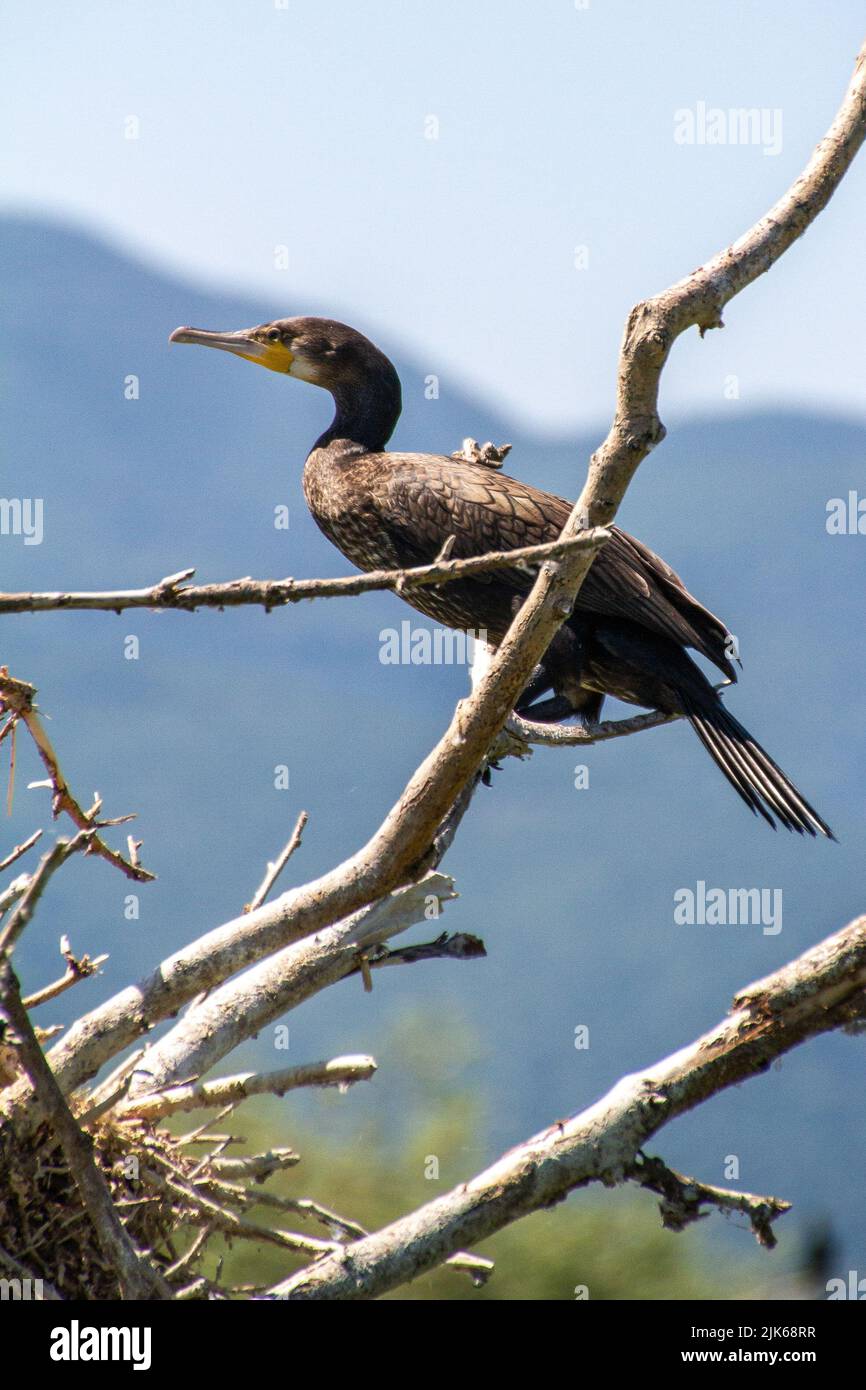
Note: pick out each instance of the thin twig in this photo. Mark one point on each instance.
(684, 1199)
(18, 697)
(26, 904)
(198, 1207)
(340, 1071)
(275, 593)
(77, 968)
(568, 735)
(455, 946)
(196, 1247)
(17, 852)
(255, 1167)
(276, 868)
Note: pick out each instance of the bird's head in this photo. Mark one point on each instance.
(361, 379)
(321, 351)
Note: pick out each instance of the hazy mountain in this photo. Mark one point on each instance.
(571, 890)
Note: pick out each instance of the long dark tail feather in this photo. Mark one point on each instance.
(752, 772)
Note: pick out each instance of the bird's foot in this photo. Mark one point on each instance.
(490, 455)
(552, 711)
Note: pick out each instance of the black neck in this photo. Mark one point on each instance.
(368, 408)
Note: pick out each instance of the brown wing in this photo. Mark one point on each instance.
(628, 580)
(422, 499)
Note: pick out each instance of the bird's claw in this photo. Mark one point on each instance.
(490, 455)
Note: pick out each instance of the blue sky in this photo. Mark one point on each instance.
(305, 127)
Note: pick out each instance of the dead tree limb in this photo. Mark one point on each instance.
(17, 699)
(269, 989)
(230, 1090)
(684, 1199)
(823, 989)
(175, 592)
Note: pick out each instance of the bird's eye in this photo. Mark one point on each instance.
(274, 335)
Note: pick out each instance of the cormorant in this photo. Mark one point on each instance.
(633, 619)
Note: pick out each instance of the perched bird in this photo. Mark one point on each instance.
(633, 619)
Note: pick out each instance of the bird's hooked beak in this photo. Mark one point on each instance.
(247, 342)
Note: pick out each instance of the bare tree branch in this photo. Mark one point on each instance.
(77, 968)
(269, 989)
(255, 1167)
(17, 698)
(230, 1090)
(15, 890)
(275, 593)
(104, 1032)
(684, 1199)
(454, 946)
(17, 852)
(822, 990)
(276, 868)
(198, 1206)
(35, 887)
(528, 731)
(477, 1267)
(574, 735)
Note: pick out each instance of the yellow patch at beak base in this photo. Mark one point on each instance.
(275, 356)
